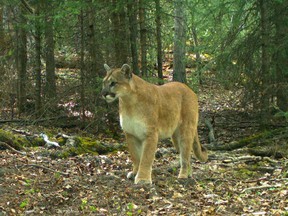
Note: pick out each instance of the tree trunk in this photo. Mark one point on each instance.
(38, 79)
(143, 37)
(281, 53)
(264, 100)
(118, 19)
(82, 66)
(198, 57)
(131, 10)
(159, 41)
(96, 57)
(50, 85)
(2, 40)
(2, 44)
(22, 63)
(179, 72)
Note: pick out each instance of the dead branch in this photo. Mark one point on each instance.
(47, 168)
(22, 132)
(227, 147)
(27, 6)
(261, 187)
(12, 149)
(265, 153)
(242, 158)
(211, 131)
(26, 121)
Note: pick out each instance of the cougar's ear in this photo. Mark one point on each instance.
(126, 70)
(107, 68)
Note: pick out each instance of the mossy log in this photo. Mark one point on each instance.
(267, 143)
(70, 146)
(90, 145)
(17, 141)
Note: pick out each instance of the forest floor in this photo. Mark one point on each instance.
(230, 183)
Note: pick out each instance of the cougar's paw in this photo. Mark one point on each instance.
(142, 181)
(131, 176)
(182, 176)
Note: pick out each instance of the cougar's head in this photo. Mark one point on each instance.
(116, 82)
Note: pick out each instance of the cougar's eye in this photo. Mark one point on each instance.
(113, 84)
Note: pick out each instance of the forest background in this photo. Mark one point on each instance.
(52, 52)
(62, 150)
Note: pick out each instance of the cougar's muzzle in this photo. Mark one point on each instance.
(107, 95)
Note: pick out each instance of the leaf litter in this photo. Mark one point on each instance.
(230, 183)
(88, 184)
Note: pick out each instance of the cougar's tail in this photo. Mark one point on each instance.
(199, 151)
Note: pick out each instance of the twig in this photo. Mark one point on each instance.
(242, 158)
(211, 131)
(32, 121)
(261, 187)
(47, 168)
(11, 148)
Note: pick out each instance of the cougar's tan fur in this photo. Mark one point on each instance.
(148, 113)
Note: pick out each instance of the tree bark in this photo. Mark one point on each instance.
(96, 57)
(143, 37)
(198, 56)
(22, 63)
(281, 53)
(131, 10)
(2, 44)
(2, 40)
(50, 85)
(159, 41)
(82, 66)
(38, 79)
(264, 57)
(118, 19)
(179, 72)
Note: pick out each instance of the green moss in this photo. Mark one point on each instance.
(89, 145)
(244, 173)
(255, 137)
(81, 145)
(19, 141)
(61, 141)
(12, 140)
(36, 141)
(5, 136)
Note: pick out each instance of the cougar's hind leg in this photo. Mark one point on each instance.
(176, 140)
(185, 148)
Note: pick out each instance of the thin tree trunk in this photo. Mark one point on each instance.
(131, 10)
(50, 85)
(264, 57)
(179, 72)
(2, 41)
(118, 18)
(143, 37)
(198, 56)
(82, 65)
(38, 79)
(159, 41)
(22, 64)
(281, 53)
(2, 44)
(97, 59)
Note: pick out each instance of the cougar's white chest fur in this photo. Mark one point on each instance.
(134, 126)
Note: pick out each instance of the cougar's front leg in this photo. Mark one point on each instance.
(135, 150)
(147, 158)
